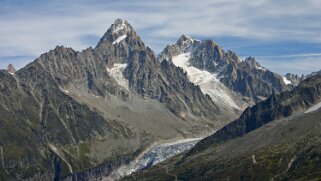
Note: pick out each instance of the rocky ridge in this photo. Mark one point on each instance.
(248, 77)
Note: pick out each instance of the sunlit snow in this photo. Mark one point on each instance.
(260, 68)
(117, 73)
(208, 82)
(119, 39)
(120, 27)
(286, 81)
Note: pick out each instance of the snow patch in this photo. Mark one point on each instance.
(117, 73)
(208, 82)
(261, 68)
(313, 108)
(119, 39)
(286, 81)
(253, 158)
(120, 27)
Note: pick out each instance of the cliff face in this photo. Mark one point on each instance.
(11, 69)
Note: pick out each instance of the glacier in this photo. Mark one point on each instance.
(208, 82)
(152, 156)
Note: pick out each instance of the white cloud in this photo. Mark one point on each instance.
(38, 27)
(299, 65)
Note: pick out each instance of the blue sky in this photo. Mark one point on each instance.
(284, 35)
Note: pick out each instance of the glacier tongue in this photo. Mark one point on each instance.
(152, 156)
(208, 82)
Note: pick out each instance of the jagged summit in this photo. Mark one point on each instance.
(118, 32)
(185, 40)
(119, 25)
(246, 77)
(11, 69)
(120, 42)
(253, 64)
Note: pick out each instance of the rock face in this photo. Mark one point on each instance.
(147, 76)
(11, 69)
(278, 139)
(247, 77)
(294, 79)
(69, 112)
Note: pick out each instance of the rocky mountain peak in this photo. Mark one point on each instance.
(233, 57)
(232, 72)
(120, 31)
(120, 42)
(185, 42)
(294, 78)
(120, 25)
(11, 69)
(253, 64)
(251, 61)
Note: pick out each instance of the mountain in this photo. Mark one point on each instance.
(82, 114)
(11, 69)
(277, 139)
(293, 79)
(233, 83)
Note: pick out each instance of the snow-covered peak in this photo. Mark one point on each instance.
(185, 42)
(117, 32)
(119, 24)
(186, 38)
(208, 82)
